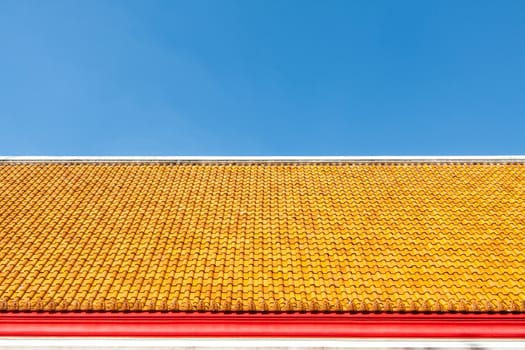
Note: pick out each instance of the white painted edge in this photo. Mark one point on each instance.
(248, 159)
(261, 343)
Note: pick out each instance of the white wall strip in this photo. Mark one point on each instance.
(216, 344)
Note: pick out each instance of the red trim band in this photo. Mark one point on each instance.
(483, 326)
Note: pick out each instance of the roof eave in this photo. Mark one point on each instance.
(286, 325)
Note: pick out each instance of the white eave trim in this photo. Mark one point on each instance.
(256, 343)
(276, 159)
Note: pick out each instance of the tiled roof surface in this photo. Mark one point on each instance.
(262, 236)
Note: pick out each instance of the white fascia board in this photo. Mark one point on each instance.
(276, 159)
(255, 343)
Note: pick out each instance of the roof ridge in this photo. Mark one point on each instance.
(271, 159)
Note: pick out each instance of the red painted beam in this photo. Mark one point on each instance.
(318, 325)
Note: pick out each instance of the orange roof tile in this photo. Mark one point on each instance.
(236, 236)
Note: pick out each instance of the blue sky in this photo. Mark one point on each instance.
(262, 77)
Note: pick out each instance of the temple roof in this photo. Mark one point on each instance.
(268, 235)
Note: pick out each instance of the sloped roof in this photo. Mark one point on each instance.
(336, 235)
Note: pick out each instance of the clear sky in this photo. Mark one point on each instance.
(262, 77)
